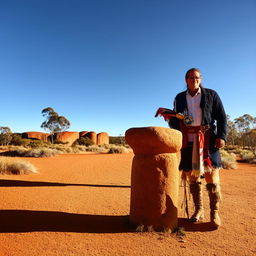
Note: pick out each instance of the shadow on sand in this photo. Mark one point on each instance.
(15, 221)
(22, 183)
(19, 221)
(195, 227)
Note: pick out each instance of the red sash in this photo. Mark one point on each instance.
(203, 135)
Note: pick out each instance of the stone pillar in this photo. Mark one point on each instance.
(92, 136)
(155, 177)
(102, 138)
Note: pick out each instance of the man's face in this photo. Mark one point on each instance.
(193, 80)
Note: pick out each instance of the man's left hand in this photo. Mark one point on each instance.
(219, 143)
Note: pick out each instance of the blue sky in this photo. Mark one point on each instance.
(107, 65)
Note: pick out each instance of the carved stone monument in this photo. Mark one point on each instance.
(155, 177)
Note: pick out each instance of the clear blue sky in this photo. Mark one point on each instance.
(107, 65)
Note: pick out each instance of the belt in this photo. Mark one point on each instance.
(196, 129)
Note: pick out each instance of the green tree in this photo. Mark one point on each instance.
(232, 132)
(244, 125)
(5, 135)
(16, 139)
(249, 139)
(54, 123)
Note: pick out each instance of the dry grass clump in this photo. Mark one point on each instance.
(228, 160)
(253, 161)
(115, 149)
(3, 148)
(54, 149)
(106, 148)
(41, 152)
(96, 148)
(79, 148)
(82, 149)
(12, 148)
(35, 152)
(247, 156)
(11, 166)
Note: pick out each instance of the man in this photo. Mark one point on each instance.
(202, 139)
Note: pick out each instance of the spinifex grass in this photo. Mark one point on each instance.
(14, 166)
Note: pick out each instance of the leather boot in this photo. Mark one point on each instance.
(214, 196)
(197, 194)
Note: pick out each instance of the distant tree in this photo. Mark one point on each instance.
(16, 139)
(54, 123)
(244, 125)
(5, 135)
(249, 139)
(232, 132)
(119, 140)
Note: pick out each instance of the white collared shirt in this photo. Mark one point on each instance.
(194, 110)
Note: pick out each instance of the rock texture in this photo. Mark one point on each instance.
(92, 136)
(82, 134)
(102, 138)
(36, 135)
(155, 177)
(69, 137)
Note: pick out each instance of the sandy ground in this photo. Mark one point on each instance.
(79, 205)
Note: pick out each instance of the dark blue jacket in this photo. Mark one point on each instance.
(213, 114)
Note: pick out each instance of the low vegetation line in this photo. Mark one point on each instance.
(54, 149)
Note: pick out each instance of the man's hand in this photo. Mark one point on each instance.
(219, 143)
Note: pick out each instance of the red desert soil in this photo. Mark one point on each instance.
(78, 205)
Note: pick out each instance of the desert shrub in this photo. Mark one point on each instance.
(115, 149)
(228, 160)
(108, 146)
(247, 156)
(73, 150)
(11, 166)
(253, 161)
(118, 140)
(34, 152)
(68, 150)
(17, 140)
(231, 147)
(25, 142)
(105, 148)
(41, 152)
(48, 149)
(95, 148)
(238, 151)
(79, 149)
(13, 148)
(60, 147)
(35, 143)
(3, 148)
(60, 142)
(85, 141)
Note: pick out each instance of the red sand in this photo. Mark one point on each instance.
(78, 205)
